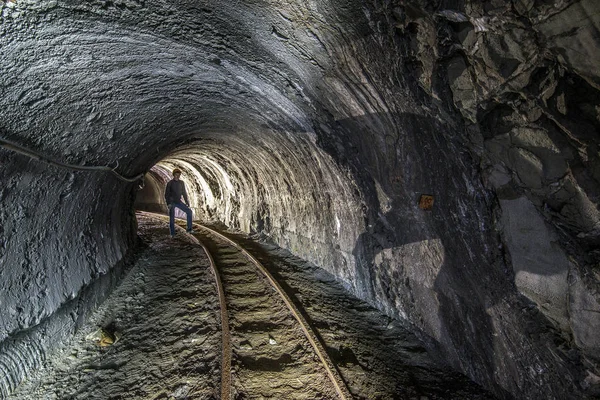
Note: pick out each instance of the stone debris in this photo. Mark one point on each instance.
(103, 337)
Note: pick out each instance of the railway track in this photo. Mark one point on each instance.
(269, 350)
(273, 350)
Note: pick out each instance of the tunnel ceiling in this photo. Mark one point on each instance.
(319, 124)
(178, 71)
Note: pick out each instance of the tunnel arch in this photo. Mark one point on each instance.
(273, 183)
(248, 97)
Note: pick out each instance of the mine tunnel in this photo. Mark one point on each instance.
(438, 159)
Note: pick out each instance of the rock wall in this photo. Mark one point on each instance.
(65, 240)
(320, 125)
(54, 222)
(523, 76)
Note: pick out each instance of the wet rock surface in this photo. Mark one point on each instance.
(160, 337)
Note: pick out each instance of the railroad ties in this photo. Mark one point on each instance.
(272, 350)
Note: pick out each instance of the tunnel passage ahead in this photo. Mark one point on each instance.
(319, 124)
(276, 183)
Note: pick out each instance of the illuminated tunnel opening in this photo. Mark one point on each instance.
(276, 184)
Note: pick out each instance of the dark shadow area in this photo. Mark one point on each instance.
(150, 195)
(428, 157)
(425, 157)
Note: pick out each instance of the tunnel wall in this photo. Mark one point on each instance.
(520, 76)
(62, 232)
(64, 245)
(391, 100)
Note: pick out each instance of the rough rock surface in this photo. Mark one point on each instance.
(320, 124)
(156, 336)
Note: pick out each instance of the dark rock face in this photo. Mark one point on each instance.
(320, 124)
(530, 90)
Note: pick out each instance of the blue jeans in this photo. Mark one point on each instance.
(183, 208)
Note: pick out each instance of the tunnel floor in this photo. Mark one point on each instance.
(158, 335)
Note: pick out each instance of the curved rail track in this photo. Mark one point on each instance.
(255, 307)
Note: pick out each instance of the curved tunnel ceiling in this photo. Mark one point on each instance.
(278, 183)
(319, 124)
(217, 86)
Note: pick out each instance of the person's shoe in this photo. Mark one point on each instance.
(191, 231)
(172, 235)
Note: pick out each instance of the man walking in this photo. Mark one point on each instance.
(173, 193)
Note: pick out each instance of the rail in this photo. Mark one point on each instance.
(318, 347)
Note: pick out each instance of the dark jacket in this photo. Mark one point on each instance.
(174, 191)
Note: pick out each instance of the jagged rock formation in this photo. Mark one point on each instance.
(524, 76)
(320, 124)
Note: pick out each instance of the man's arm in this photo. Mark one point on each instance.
(185, 194)
(168, 194)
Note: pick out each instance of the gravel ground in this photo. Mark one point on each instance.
(158, 335)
